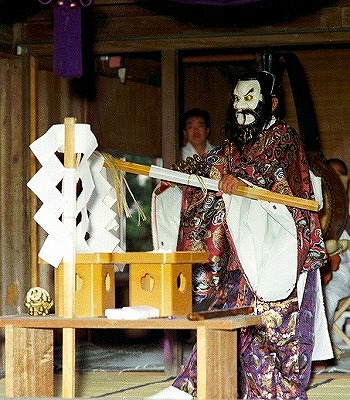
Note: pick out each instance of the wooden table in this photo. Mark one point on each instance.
(29, 350)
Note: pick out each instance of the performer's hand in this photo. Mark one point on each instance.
(228, 184)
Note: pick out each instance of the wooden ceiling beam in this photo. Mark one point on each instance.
(118, 46)
(125, 26)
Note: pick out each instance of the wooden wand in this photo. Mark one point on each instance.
(166, 174)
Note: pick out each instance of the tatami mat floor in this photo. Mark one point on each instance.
(136, 371)
(329, 387)
(135, 385)
(138, 385)
(128, 385)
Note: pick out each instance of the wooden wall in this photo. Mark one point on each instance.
(326, 72)
(55, 101)
(14, 212)
(205, 87)
(127, 117)
(14, 200)
(329, 81)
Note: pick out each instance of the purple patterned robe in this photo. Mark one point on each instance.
(275, 357)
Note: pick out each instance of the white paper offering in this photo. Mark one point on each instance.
(97, 226)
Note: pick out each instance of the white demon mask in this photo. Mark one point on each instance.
(247, 95)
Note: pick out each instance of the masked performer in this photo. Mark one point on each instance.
(261, 254)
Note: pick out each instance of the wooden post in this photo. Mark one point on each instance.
(33, 170)
(170, 133)
(29, 362)
(69, 258)
(212, 345)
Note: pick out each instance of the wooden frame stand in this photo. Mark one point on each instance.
(30, 374)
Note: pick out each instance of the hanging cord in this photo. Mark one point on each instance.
(193, 167)
(119, 180)
(204, 191)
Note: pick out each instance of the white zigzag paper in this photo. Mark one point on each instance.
(97, 228)
(99, 206)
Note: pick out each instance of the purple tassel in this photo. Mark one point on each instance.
(67, 51)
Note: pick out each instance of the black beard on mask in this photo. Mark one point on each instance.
(244, 134)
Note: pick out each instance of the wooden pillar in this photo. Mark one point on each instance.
(170, 107)
(29, 372)
(69, 258)
(170, 153)
(33, 170)
(213, 381)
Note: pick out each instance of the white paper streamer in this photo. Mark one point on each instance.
(97, 229)
(182, 178)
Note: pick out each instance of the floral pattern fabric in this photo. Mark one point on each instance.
(275, 357)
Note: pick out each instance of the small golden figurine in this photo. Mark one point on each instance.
(38, 301)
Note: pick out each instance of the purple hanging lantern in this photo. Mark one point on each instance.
(67, 49)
